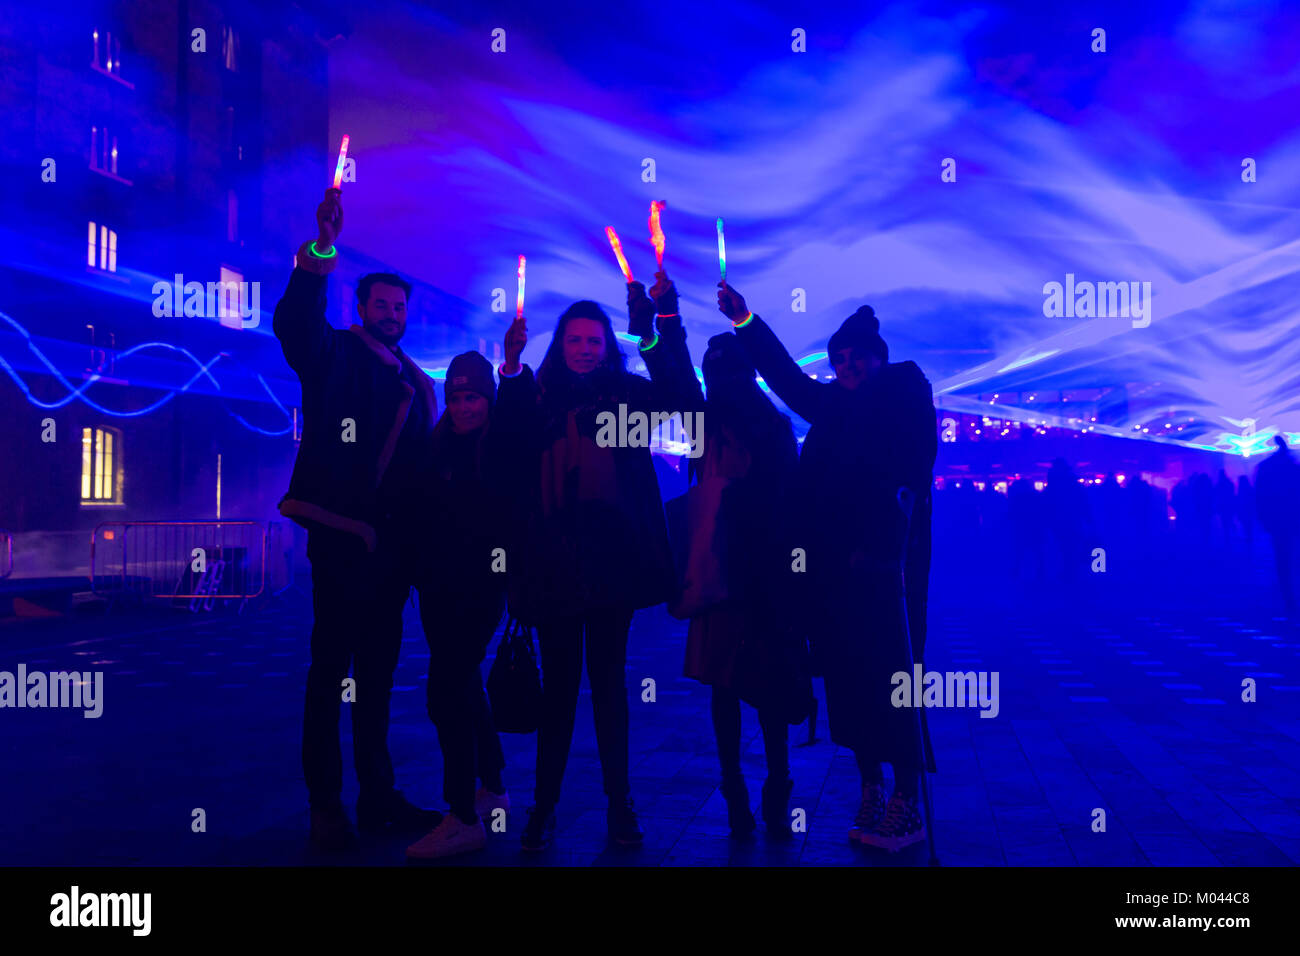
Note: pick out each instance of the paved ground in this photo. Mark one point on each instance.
(1139, 714)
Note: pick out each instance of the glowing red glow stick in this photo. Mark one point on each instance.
(657, 232)
(618, 252)
(343, 156)
(519, 302)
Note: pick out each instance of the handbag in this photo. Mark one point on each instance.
(514, 684)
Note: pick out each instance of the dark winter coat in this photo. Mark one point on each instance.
(863, 553)
(347, 375)
(595, 535)
(473, 509)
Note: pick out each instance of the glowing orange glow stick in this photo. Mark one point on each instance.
(657, 232)
(519, 302)
(618, 251)
(343, 156)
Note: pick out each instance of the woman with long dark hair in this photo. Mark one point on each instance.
(744, 646)
(863, 490)
(596, 545)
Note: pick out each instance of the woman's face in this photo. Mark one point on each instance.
(468, 410)
(853, 366)
(584, 345)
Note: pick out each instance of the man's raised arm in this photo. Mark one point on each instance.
(299, 321)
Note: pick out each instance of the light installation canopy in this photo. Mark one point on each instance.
(827, 166)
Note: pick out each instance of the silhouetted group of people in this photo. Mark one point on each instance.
(1050, 535)
(1277, 503)
(785, 562)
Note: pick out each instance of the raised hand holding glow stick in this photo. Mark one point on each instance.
(519, 302)
(722, 253)
(343, 156)
(657, 232)
(618, 252)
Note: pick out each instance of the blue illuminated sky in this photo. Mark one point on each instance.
(1114, 167)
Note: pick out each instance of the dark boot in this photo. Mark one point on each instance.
(776, 806)
(331, 830)
(739, 816)
(539, 831)
(622, 823)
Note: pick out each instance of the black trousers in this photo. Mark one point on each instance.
(458, 624)
(604, 633)
(357, 601)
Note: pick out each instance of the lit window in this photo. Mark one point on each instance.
(230, 298)
(103, 150)
(106, 52)
(101, 453)
(230, 48)
(104, 153)
(105, 248)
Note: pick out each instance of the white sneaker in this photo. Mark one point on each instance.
(448, 838)
(485, 801)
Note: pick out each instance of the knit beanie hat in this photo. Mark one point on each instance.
(860, 330)
(470, 372)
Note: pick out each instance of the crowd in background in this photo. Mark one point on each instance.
(1047, 531)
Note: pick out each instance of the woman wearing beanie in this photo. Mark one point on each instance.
(745, 647)
(866, 466)
(596, 542)
(474, 463)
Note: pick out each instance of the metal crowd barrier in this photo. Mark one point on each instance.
(6, 554)
(195, 561)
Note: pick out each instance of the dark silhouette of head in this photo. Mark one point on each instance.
(727, 366)
(736, 403)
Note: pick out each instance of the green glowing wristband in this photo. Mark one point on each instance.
(743, 322)
(311, 249)
(653, 343)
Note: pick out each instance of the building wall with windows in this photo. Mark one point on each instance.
(134, 158)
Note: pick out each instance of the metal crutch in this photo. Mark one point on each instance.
(906, 501)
